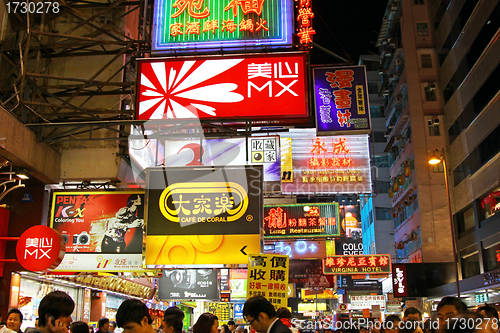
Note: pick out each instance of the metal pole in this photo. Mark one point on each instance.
(453, 243)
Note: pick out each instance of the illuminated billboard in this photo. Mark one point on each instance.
(357, 264)
(341, 100)
(203, 215)
(257, 87)
(329, 164)
(103, 230)
(301, 220)
(194, 25)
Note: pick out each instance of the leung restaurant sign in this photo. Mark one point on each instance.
(341, 100)
(191, 25)
(259, 87)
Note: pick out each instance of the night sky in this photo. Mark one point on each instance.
(348, 28)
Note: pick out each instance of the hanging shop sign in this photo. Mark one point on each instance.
(366, 302)
(222, 152)
(238, 288)
(332, 164)
(301, 220)
(341, 100)
(196, 216)
(399, 278)
(182, 25)
(305, 30)
(297, 249)
(40, 248)
(222, 310)
(309, 274)
(198, 284)
(268, 277)
(357, 264)
(238, 310)
(257, 87)
(103, 230)
(119, 285)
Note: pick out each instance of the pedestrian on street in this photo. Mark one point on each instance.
(206, 323)
(14, 320)
(54, 313)
(261, 316)
(133, 316)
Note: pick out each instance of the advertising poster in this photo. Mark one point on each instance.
(257, 87)
(103, 230)
(203, 215)
(301, 220)
(215, 24)
(222, 310)
(367, 301)
(341, 100)
(329, 164)
(199, 284)
(268, 277)
(351, 240)
(309, 274)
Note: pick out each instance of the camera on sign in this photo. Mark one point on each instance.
(81, 239)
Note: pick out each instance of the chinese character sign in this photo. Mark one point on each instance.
(357, 264)
(341, 100)
(330, 164)
(366, 302)
(222, 310)
(268, 277)
(192, 25)
(235, 87)
(198, 215)
(305, 30)
(40, 248)
(301, 220)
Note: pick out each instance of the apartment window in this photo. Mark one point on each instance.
(381, 161)
(379, 136)
(426, 60)
(372, 88)
(489, 204)
(438, 168)
(419, 2)
(383, 213)
(377, 111)
(430, 91)
(422, 29)
(465, 220)
(491, 257)
(382, 186)
(434, 127)
(470, 264)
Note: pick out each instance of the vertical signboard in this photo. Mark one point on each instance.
(341, 100)
(399, 278)
(215, 24)
(268, 277)
(203, 215)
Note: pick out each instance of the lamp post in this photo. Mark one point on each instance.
(436, 158)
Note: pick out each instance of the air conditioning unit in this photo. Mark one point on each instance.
(413, 236)
(398, 62)
(400, 246)
(398, 99)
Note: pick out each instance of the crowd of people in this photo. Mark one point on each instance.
(55, 309)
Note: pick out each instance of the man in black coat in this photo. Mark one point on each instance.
(261, 315)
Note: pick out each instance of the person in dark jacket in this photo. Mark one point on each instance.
(14, 320)
(54, 313)
(261, 316)
(103, 325)
(79, 327)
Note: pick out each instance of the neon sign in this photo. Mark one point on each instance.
(357, 264)
(341, 99)
(301, 220)
(301, 249)
(213, 24)
(305, 30)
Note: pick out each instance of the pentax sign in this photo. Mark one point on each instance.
(341, 100)
(357, 264)
(257, 87)
(194, 25)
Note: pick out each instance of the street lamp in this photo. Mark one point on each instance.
(436, 158)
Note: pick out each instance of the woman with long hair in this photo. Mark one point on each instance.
(207, 323)
(224, 329)
(125, 220)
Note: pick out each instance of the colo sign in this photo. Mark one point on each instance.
(332, 164)
(234, 87)
(341, 99)
(199, 215)
(301, 220)
(103, 230)
(214, 24)
(357, 264)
